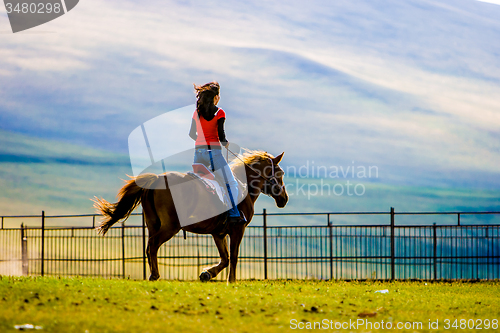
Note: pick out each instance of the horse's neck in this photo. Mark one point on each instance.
(252, 179)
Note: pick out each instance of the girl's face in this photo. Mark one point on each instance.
(216, 99)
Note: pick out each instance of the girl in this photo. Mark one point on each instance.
(207, 129)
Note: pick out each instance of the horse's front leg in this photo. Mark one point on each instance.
(211, 272)
(236, 237)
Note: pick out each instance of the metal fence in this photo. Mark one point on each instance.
(330, 250)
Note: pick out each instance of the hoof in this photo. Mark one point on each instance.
(205, 276)
(153, 278)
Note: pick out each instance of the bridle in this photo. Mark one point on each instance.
(269, 181)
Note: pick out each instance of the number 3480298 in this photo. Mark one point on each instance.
(471, 324)
(33, 8)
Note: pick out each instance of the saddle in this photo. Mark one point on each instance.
(204, 175)
(201, 172)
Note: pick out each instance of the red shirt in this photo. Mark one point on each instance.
(207, 130)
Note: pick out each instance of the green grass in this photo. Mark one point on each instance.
(99, 305)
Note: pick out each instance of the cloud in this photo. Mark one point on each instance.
(334, 80)
(496, 2)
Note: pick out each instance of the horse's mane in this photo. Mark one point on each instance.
(250, 157)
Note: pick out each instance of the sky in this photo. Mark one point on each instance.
(410, 87)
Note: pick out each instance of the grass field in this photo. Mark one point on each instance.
(99, 305)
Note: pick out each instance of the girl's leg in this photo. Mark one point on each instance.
(232, 187)
(224, 172)
(201, 156)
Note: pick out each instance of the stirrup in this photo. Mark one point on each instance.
(237, 219)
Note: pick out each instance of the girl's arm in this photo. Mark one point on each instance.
(220, 130)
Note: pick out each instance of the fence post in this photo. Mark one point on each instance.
(435, 248)
(264, 217)
(42, 268)
(487, 256)
(143, 247)
(458, 219)
(2, 222)
(393, 272)
(24, 250)
(331, 245)
(123, 249)
(198, 258)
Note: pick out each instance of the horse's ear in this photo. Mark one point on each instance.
(278, 158)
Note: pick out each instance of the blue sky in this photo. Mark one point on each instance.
(409, 86)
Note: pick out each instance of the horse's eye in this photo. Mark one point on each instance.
(280, 174)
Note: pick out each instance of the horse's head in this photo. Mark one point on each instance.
(273, 180)
(263, 175)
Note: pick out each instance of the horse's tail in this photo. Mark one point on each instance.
(129, 197)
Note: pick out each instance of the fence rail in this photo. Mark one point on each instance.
(327, 251)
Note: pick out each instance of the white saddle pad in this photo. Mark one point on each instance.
(208, 177)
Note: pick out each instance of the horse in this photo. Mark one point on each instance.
(258, 169)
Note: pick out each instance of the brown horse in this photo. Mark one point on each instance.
(262, 173)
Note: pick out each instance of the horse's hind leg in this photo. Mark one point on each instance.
(236, 237)
(210, 273)
(152, 252)
(153, 223)
(162, 225)
(154, 243)
(161, 229)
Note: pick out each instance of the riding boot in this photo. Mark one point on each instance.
(237, 219)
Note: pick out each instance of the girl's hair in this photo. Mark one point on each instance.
(205, 99)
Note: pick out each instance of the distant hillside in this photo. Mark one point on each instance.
(60, 178)
(38, 174)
